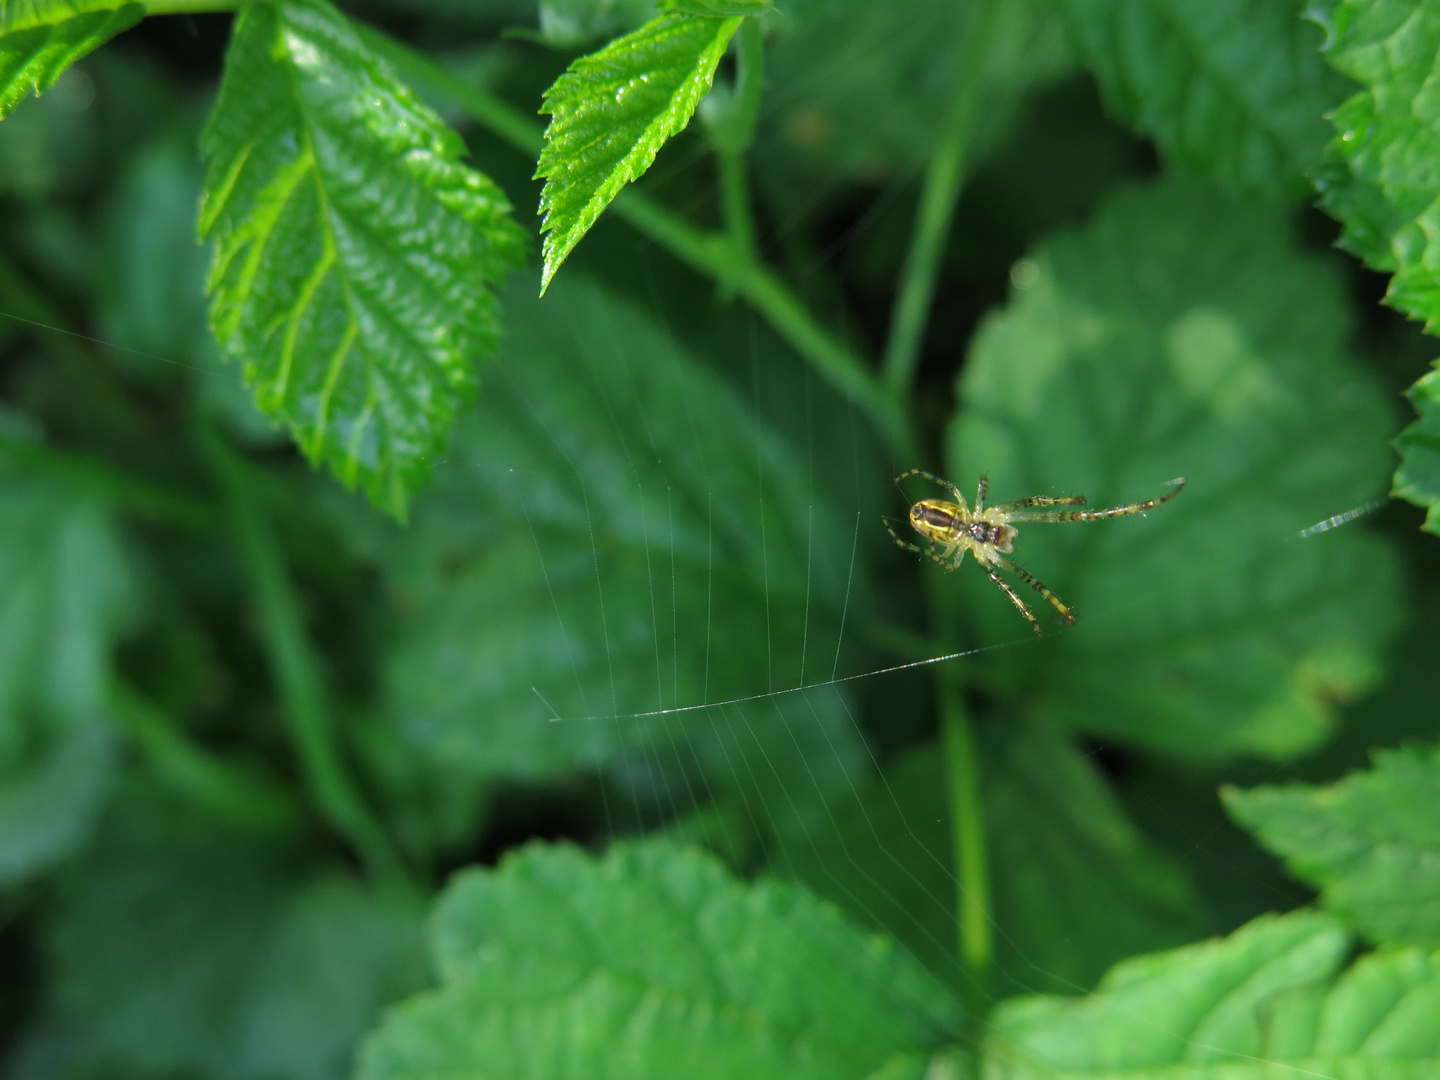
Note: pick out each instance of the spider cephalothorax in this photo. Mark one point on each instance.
(952, 529)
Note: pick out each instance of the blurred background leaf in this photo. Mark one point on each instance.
(1182, 333)
(614, 532)
(180, 946)
(66, 592)
(1076, 886)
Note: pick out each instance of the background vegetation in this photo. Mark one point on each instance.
(365, 720)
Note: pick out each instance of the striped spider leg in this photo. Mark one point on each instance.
(952, 529)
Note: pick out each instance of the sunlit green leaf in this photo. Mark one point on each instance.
(1418, 476)
(615, 532)
(181, 948)
(1371, 843)
(1183, 334)
(1381, 183)
(65, 593)
(610, 114)
(1268, 1001)
(354, 256)
(1076, 887)
(1234, 90)
(654, 962)
(39, 40)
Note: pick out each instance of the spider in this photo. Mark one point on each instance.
(953, 528)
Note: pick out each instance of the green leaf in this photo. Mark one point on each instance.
(1184, 334)
(40, 39)
(354, 256)
(615, 533)
(1380, 185)
(180, 948)
(1418, 476)
(1370, 843)
(1267, 1001)
(654, 962)
(1234, 90)
(610, 114)
(1076, 887)
(65, 594)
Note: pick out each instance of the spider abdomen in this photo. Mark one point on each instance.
(950, 524)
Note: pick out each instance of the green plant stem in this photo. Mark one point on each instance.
(709, 253)
(944, 177)
(231, 794)
(971, 859)
(297, 670)
(735, 204)
(967, 816)
(732, 134)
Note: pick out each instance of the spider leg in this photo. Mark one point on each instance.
(946, 484)
(1041, 500)
(980, 492)
(1066, 615)
(1108, 512)
(903, 543)
(1024, 610)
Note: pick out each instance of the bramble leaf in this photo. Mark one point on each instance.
(596, 547)
(40, 39)
(1234, 90)
(1183, 334)
(1076, 887)
(1269, 1000)
(65, 593)
(1383, 187)
(610, 114)
(654, 962)
(355, 257)
(1370, 843)
(1418, 476)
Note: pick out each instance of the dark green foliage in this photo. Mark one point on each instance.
(723, 783)
(608, 573)
(1077, 887)
(353, 254)
(183, 947)
(65, 591)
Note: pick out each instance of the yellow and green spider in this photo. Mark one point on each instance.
(952, 529)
